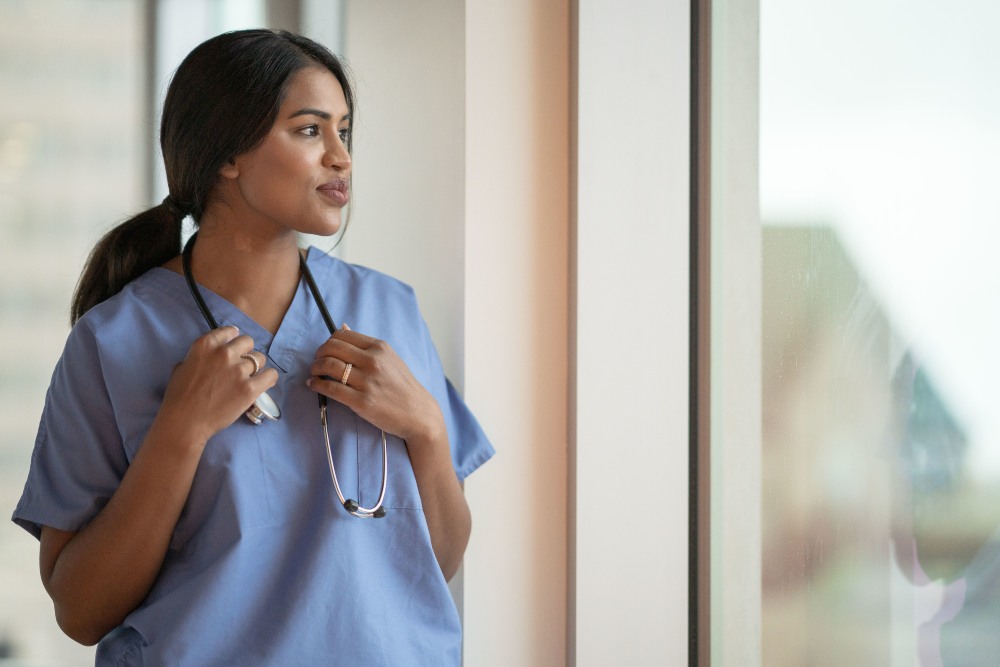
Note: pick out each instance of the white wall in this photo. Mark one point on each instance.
(631, 323)
(407, 215)
(517, 226)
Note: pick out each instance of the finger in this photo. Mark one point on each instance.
(337, 370)
(218, 339)
(341, 350)
(264, 380)
(222, 335)
(240, 345)
(335, 390)
(356, 339)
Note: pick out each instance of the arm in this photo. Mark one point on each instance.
(448, 518)
(382, 391)
(98, 575)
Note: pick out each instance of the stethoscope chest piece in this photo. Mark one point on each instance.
(263, 408)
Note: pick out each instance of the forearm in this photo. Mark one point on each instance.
(100, 574)
(448, 518)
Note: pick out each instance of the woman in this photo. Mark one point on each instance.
(176, 530)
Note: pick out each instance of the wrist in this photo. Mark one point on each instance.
(429, 450)
(430, 435)
(178, 433)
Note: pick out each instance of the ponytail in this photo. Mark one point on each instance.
(126, 252)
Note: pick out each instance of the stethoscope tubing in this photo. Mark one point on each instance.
(257, 410)
(351, 506)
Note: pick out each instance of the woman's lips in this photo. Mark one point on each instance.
(337, 190)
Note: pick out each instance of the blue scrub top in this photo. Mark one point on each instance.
(264, 566)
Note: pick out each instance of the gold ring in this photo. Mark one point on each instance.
(256, 364)
(347, 372)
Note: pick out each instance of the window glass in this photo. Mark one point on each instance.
(71, 136)
(880, 127)
(74, 136)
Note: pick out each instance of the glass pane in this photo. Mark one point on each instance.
(880, 127)
(72, 133)
(71, 151)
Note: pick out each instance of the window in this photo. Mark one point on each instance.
(71, 151)
(879, 471)
(75, 132)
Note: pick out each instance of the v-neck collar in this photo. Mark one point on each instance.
(300, 318)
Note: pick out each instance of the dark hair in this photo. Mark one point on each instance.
(221, 103)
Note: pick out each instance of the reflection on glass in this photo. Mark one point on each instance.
(880, 124)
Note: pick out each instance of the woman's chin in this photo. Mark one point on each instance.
(328, 227)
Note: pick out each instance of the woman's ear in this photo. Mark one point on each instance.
(230, 169)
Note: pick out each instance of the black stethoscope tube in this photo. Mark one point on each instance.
(265, 405)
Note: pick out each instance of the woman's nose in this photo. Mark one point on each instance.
(337, 156)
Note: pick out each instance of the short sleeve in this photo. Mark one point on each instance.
(470, 448)
(78, 459)
(469, 445)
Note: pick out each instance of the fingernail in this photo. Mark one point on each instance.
(345, 327)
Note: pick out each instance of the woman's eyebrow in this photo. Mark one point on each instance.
(316, 112)
(311, 112)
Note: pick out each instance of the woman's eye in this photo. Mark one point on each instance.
(345, 134)
(310, 131)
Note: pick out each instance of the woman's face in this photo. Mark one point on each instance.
(299, 177)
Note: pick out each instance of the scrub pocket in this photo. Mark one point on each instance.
(401, 486)
(229, 494)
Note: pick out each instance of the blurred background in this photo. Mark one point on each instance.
(879, 136)
(73, 159)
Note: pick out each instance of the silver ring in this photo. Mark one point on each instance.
(347, 372)
(256, 364)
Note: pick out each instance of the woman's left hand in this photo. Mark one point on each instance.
(379, 386)
(382, 390)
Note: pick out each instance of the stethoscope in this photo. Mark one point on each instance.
(265, 407)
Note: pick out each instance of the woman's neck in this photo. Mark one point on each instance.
(257, 275)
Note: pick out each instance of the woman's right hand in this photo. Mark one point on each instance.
(214, 384)
(98, 575)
